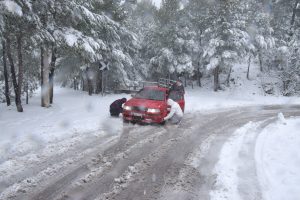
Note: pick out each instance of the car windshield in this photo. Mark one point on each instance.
(151, 94)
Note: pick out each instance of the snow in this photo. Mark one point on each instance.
(229, 54)
(213, 63)
(87, 13)
(278, 160)
(275, 164)
(74, 38)
(75, 115)
(157, 3)
(208, 100)
(227, 168)
(12, 7)
(261, 41)
(283, 50)
(72, 113)
(242, 92)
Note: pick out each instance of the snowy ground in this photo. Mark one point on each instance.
(75, 113)
(242, 92)
(256, 160)
(273, 152)
(278, 160)
(72, 114)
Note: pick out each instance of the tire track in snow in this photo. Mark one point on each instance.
(106, 158)
(166, 165)
(53, 153)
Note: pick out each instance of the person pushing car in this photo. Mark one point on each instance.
(116, 107)
(176, 114)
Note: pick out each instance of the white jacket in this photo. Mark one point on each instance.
(175, 110)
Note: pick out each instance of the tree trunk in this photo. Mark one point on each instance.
(294, 13)
(291, 32)
(41, 72)
(216, 79)
(199, 76)
(45, 87)
(74, 83)
(14, 77)
(98, 82)
(102, 83)
(51, 74)
(249, 63)
(7, 93)
(260, 61)
(83, 82)
(21, 72)
(89, 81)
(228, 77)
(27, 93)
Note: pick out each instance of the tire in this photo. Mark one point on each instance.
(162, 123)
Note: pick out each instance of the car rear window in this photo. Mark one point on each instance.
(151, 94)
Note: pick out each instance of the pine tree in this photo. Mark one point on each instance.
(173, 42)
(200, 16)
(227, 39)
(17, 28)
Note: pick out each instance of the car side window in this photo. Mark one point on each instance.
(174, 95)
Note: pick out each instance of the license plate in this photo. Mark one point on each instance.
(137, 114)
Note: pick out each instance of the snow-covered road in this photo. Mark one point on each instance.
(221, 154)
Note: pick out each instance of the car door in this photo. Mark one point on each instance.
(178, 97)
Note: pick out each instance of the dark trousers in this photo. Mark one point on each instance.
(115, 112)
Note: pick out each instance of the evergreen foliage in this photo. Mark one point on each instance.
(139, 41)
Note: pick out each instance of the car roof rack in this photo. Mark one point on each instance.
(167, 83)
(162, 82)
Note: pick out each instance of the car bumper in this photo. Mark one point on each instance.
(142, 117)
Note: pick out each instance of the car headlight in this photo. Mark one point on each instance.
(128, 108)
(153, 110)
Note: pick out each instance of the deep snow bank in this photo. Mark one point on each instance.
(232, 164)
(260, 164)
(278, 160)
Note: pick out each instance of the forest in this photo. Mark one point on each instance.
(101, 46)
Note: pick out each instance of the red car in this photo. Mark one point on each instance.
(149, 105)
